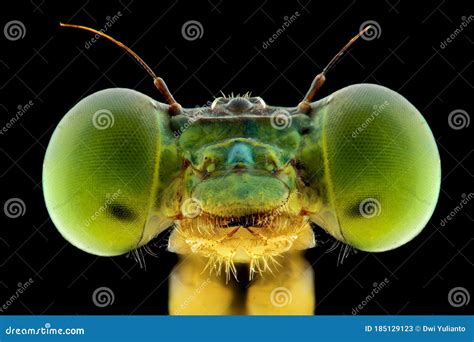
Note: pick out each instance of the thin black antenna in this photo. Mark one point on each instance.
(159, 83)
(305, 104)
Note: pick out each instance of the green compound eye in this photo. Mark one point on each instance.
(104, 171)
(375, 163)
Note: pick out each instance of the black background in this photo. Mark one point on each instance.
(51, 67)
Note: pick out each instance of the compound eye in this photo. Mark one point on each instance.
(381, 175)
(100, 172)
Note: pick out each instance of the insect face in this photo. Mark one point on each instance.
(241, 176)
(241, 180)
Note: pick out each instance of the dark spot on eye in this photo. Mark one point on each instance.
(305, 131)
(353, 210)
(121, 212)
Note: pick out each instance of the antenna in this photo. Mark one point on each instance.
(305, 104)
(159, 83)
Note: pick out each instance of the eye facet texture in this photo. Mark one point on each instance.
(380, 167)
(103, 174)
